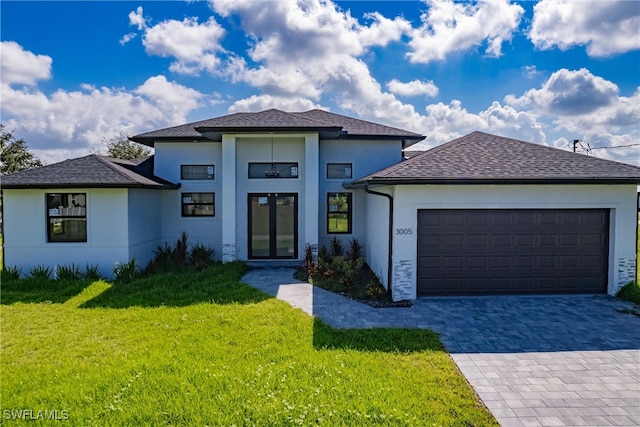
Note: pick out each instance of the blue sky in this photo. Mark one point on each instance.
(75, 74)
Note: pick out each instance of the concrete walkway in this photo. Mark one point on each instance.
(533, 360)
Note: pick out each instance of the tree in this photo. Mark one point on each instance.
(14, 154)
(121, 148)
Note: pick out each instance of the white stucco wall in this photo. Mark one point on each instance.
(366, 157)
(145, 224)
(620, 199)
(25, 230)
(168, 159)
(377, 241)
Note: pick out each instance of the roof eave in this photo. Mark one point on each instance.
(88, 185)
(408, 139)
(488, 181)
(150, 141)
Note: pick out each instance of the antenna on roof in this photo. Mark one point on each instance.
(577, 142)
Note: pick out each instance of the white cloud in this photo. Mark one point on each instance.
(531, 71)
(173, 99)
(127, 38)
(586, 107)
(413, 88)
(383, 30)
(137, 18)
(581, 102)
(264, 102)
(605, 27)
(443, 123)
(77, 122)
(570, 92)
(449, 27)
(195, 46)
(21, 66)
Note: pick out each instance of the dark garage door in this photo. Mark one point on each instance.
(488, 252)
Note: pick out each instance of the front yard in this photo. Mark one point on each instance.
(204, 349)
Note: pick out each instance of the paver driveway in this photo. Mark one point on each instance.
(533, 360)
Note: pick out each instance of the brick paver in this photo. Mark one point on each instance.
(533, 360)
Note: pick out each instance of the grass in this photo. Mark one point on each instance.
(205, 349)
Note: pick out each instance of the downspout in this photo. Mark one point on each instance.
(637, 231)
(390, 249)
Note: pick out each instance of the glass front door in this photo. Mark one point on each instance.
(273, 226)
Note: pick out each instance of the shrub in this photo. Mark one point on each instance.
(40, 272)
(354, 251)
(164, 256)
(374, 290)
(630, 292)
(323, 254)
(92, 272)
(127, 272)
(308, 257)
(201, 256)
(337, 249)
(11, 273)
(69, 272)
(181, 250)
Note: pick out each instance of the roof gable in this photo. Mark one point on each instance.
(481, 157)
(89, 171)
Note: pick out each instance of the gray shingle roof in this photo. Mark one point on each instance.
(89, 171)
(356, 126)
(481, 157)
(331, 124)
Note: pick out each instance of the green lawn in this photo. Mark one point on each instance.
(204, 349)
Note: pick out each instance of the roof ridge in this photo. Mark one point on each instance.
(299, 114)
(550, 148)
(121, 170)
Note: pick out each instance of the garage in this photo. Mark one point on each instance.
(512, 251)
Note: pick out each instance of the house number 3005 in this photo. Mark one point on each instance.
(403, 231)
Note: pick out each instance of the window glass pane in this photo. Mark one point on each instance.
(198, 204)
(285, 226)
(67, 229)
(338, 223)
(67, 204)
(273, 170)
(339, 170)
(260, 226)
(339, 202)
(339, 213)
(197, 210)
(196, 172)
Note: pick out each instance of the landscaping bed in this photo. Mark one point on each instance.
(344, 271)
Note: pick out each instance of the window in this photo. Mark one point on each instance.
(66, 217)
(198, 204)
(273, 170)
(339, 170)
(196, 172)
(339, 213)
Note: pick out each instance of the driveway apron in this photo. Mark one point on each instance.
(533, 360)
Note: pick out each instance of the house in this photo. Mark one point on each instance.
(481, 214)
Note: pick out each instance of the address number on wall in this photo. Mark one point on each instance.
(404, 231)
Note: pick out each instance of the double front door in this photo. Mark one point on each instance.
(273, 226)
